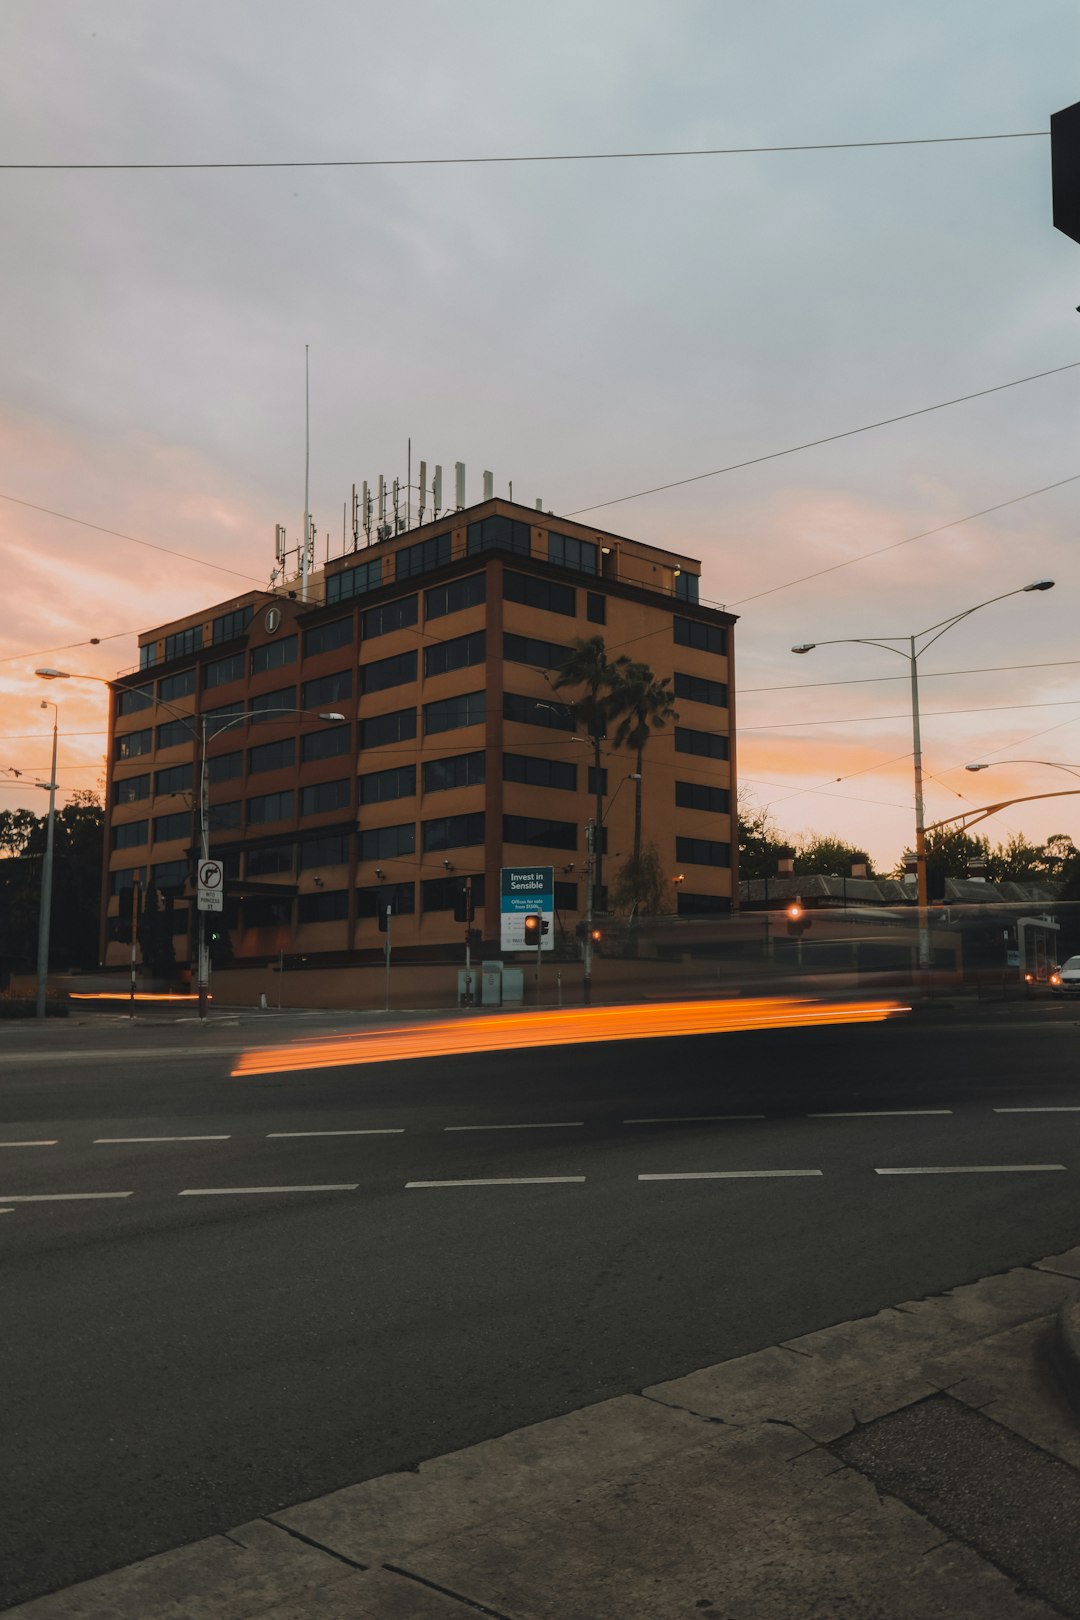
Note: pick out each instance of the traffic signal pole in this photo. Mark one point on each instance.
(590, 839)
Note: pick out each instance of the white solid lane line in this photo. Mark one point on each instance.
(55, 1198)
(881, 1113)
(544, 1125)
(223, 1192)
(53, 1143)
(690, 1119)
(723, 1175)
(117, 1141)
(1072, 1108)
(279, 1136)
(499, 1181)
(962, 1169)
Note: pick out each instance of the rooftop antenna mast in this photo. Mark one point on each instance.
(307, 470)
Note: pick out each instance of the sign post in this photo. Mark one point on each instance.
(210, 892)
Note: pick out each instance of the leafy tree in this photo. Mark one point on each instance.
(16, 829)
(589, 669)
(759, 842)
(76, 895)
(642, 885)
(828, 855)
(648, 705)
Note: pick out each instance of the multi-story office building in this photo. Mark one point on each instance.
(455, 756)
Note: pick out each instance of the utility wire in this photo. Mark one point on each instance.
(858, 719)
(135, 541)
(831, 438)
(924, 675)
(533, 157)
(881, 550)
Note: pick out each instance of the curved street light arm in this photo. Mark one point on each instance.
(970, 818)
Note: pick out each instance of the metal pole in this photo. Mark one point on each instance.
(204, 855)
(387, 950)
(468, 941)
(539, 948)
(45, 911)
(307, 468)
(920, 819)
(134, 937)
(587, 988)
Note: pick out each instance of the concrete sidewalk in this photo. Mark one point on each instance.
(917, 1463)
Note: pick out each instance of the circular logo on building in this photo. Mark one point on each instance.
(271, 620)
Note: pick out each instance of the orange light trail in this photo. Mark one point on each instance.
(564, 1027)
(125, 995)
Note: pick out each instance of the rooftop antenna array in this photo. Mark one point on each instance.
(386, 508)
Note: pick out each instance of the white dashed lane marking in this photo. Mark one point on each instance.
(500, 1181)
(691, 1119)
(281, 1136)
(119, 1141)
(53, 1143)
(724, 1175)
(962, 1169)
(882, 1113)
(226, 1192)
(55, 1198)
(1072, 1108)
(544, 1125)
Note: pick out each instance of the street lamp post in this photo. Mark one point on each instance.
(909, 648)
(1073, 770)
(45, 904)
(199, 734)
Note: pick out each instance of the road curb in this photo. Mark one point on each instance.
(1065, 1349)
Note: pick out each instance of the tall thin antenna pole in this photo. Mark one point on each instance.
(307, 470)
(408, 486)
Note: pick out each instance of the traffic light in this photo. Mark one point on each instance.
(384, 919)
(798, 922)
(473, 936)
(596, 936)
(464, 910)
(533, 928)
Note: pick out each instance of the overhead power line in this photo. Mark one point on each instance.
(929, 714)
(531, 157)
(830, 438)
(151, 545)
(924, 535)
(925, 675)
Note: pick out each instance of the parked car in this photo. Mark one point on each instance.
(1065, 980)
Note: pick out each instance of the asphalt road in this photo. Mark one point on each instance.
(474, 1243)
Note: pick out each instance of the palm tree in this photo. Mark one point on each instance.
(647, 704)
(588, 667)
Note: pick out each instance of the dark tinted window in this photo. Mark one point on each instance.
(223, 670)
(423, 557)
(700, 690)
(384, 843)
(183, 642)
(570, 552)
(173, 779)
(703, 905)
(327, 690)
(528, 650)
(133, 743)
(128, 790)
(182, 684)
(320, 797)
(565, 896)
(538, 712)
(171, 875)
(697, 796)
(273, 655)
(264, 911)
(229, 625)
(397, 726)
(131, 834)
(687, 587)
(325, 905)
(504, 533)
(328, 849)
(459, 770)
(378, 787)
(272, 705)
(134, 699)
(270, 807)
(269, 859)
(454, 832)
(124, 879)
(217, 720)
(702, 852)
(326, 744)
(539, 831)
(273, 756)
(705, 637)
(356, 581)
(386, 672)
(595, 607)
(400, 897)
(177, 825)
(455, 597)
(225, 817)
(172, 733)
(455, 654)
(469, 709)
(224, 767)
(442, 894)
(327, 637)
(540, 593)
(399, 615)
(550, 773)
(706, 743)
(592, 780)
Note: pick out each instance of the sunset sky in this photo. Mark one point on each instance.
(585, 329)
